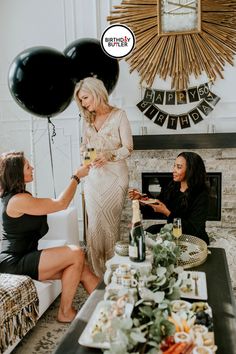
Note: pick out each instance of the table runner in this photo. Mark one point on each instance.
(19, 305)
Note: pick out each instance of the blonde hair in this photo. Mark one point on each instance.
(96, 88)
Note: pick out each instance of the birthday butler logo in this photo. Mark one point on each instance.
(117, 41)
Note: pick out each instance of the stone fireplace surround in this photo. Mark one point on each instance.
(158, 153)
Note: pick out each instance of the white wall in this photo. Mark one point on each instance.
(56, 23)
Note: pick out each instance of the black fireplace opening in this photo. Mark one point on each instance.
(153, 182)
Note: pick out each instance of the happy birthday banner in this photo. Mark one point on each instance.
(202, 94)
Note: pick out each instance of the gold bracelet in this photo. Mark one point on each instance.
(75, 178)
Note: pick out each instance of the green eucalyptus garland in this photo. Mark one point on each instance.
(149, 324)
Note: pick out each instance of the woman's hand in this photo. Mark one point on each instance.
(83, 171)
(100, 160)
(160, 207)
(134, 194)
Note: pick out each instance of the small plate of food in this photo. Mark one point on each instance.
(99, 327)
(180, 305)
(148, 201)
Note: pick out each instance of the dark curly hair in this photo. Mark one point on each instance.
(12, 173)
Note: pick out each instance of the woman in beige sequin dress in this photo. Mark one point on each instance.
(107, 130)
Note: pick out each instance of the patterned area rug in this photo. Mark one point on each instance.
(46, 335)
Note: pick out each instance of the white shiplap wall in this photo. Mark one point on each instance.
(56, 23)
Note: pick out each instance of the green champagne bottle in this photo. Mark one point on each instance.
(137, 239)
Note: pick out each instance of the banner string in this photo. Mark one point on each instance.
(202, 94)
(51, 140)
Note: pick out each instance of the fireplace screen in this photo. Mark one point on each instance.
(152, 183)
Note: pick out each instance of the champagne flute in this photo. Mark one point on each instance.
(86, 158)
(93, 154)
(177, 231)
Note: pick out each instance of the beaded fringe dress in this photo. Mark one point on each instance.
(105, 188)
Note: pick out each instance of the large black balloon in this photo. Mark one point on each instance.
(40, 82)
(88, 59)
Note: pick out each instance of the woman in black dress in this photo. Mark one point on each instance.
(186, 197)
(24, 222)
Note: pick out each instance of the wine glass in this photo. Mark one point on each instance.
(177, 231)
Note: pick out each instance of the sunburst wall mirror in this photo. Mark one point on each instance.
(179, 38)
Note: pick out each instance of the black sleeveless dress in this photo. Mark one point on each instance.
(19, 252)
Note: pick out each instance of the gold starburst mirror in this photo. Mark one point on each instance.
(179, 38)
(179, 17)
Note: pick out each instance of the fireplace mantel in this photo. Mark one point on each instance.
(185, 141)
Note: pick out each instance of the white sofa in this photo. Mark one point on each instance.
(63, 229)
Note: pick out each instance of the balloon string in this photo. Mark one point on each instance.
(50, 139)
(53, 129)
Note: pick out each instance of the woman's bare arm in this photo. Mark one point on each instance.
(24, 203)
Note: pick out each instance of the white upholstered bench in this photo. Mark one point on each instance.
(63, 229)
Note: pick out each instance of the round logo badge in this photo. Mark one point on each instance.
(117, 41)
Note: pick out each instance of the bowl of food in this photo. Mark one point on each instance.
(122, 248)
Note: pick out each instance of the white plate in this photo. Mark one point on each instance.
(86, 338)
(201, 282)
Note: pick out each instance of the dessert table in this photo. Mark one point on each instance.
(220, 298)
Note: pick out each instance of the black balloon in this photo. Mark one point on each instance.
(88, 59)
(40, 82)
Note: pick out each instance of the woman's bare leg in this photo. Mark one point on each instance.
(88, 279)
(70, 280)
(69, 262)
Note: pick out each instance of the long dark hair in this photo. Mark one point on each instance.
(195, 178)
(195, 171)
(12, 173)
